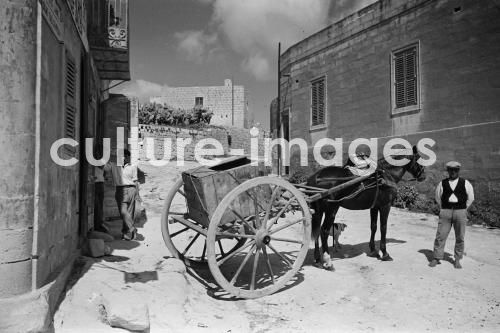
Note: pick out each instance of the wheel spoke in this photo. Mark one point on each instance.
(255, 200)
(230, 235)
(220, 247)
(254, 270)
(280, 255)
(274, 219)
(289, 224)
(176, 213)
(269, 268)
(233, 280)
(178, 232)
(281, 239)
(257, 217)
(190, 244)
(245, 222)
(229, 256)
(268, 210)
(204, 251)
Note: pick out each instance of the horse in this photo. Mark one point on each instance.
(376, 193)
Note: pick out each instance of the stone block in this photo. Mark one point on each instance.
(124, 311)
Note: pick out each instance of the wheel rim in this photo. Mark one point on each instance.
(278, 241)
(184, 243)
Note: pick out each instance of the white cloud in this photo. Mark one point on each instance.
(254, 28)
(259, 66)
(141, 89)
(196, 45)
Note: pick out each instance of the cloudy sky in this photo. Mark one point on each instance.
(202, 42)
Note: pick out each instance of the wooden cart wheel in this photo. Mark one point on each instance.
(184, 243)
(278, 233)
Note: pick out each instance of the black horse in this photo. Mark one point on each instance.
(376, 193)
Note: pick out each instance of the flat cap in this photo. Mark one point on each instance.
(453, 165)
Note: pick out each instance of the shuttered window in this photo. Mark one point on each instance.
(70, 122)
(405, 79)
(318, 102)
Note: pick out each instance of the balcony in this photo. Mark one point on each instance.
(108, 35)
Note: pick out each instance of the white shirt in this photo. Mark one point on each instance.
(453, 184)
(122, 175)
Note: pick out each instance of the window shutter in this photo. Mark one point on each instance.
(318, 96)
(405, 78)
(70, 122)
(411, 77)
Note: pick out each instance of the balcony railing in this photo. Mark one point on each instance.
(108, 34)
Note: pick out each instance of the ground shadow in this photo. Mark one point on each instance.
(429, 255)
(124, 244)
(202, 274)
(347, 251)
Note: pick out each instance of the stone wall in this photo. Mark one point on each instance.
(17, 143)
(459, 83)
(240, 140)
(223, 101)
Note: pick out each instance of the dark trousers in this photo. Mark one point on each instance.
(456, 218)
(126, 195)
(98, 206)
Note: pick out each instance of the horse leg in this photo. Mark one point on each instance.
(373, 225)
(316, 226)
(317, 256)
(384, 215)
(330, 213)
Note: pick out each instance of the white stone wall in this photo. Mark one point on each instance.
(221, 100)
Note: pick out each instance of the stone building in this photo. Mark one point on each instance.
(409, 69)
(229, 102)
(57, 60)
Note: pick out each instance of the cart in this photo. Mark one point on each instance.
(251, 229)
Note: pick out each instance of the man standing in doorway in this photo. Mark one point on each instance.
(99, 200)
(126, 183)
(454, 196)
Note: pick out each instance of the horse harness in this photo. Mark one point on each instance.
(377, 181)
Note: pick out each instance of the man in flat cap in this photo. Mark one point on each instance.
(454, 196)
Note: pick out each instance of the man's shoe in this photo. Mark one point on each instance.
(457, 264)
(128, 236)
(434, 262)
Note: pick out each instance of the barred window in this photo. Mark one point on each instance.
(318, 102)
(405, 79)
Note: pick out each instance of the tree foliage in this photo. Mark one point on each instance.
(157, 114)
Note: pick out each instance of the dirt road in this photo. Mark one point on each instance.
(363, 294)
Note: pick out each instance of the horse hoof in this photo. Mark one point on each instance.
(374, 254)
(387, 258)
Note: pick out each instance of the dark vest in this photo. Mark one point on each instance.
(460, 192)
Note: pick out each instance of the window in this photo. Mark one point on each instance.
(318, 102)
(198, 101)
(70, 122)
(405, 80)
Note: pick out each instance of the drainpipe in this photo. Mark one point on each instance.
(36, 197)
(278, 124)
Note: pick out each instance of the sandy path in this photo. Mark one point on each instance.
(363, 294)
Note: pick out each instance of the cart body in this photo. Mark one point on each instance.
(205, 187)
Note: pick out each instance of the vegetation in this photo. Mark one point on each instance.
(479, 213)
(157, 114)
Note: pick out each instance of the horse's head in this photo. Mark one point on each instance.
(414, 168)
